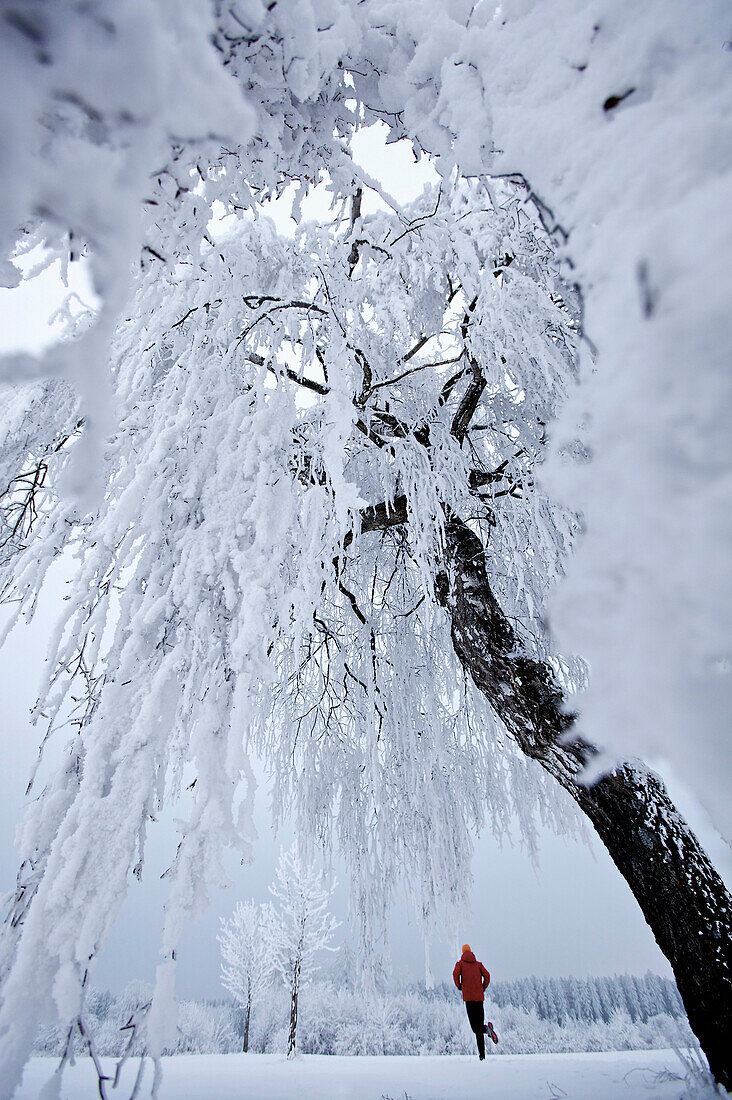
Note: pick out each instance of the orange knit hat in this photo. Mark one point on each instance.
(466, 947)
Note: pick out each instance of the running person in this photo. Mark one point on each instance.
(472, 979)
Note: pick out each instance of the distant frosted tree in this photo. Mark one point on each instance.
(246, 957)
(594, 997)
(573, 997)
(608, 997)
(629, 990)
(300, 926)
(343, 970)
(555, 999)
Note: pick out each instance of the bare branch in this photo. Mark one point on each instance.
(309, 307)
(423, 339)
(419, 222)
(414, 370)
(352, 600)
(300, 379)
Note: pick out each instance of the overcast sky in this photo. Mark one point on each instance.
(573, 914)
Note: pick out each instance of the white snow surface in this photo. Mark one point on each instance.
(655, 1074)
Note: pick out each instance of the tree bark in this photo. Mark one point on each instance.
(294, 993)
(247, 1019)
(682, 897)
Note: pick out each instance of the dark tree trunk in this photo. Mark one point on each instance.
(294, 993)
(681, 895)
(247, 1019)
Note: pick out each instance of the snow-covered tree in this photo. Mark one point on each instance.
(246, 957)
(360, 582)
(300, 927)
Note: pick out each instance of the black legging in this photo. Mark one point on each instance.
(476, 1016)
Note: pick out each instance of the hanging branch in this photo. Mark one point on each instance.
(102, 1077)
(131, 1026)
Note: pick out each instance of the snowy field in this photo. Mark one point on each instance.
(633, 1075)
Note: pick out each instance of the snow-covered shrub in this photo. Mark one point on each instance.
(348, 1021)
(204, 1028)
(50, 1040)
(324, 1013)
(267, 1034)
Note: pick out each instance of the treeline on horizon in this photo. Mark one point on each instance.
(591, 999)
(532, 1015)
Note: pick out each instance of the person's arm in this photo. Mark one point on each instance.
(485, 977)
(457, 974)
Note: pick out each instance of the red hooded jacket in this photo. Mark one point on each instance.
(471, 977)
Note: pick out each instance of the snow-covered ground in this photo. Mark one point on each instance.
(654, 1074)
